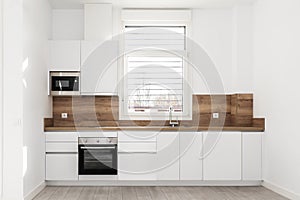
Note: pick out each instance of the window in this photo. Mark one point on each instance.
(154, 69)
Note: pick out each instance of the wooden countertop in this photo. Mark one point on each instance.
(157, 128)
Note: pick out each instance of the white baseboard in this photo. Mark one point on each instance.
(152, 183)
(282, 191)
(35, 191)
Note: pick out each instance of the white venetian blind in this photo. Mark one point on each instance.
(154, 81)
(165, 37)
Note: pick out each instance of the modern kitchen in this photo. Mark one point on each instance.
(111, 99)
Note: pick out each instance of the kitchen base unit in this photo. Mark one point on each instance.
(152, 158)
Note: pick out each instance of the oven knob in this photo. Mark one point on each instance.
(108, 140)
(85, 141)
(97, 141)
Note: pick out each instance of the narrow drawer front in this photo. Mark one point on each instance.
(137, 136)
(62, 137)
(149, 147)
(61, 147)
(98, 134)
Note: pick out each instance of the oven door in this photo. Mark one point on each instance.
(98, 160)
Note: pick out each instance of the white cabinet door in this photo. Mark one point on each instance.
(64, 55)
(252, 156)
(191, 156)
(137, 166)
(222, 156)
(99, 67)
(61, 167)
(168, 156)
(98, 21)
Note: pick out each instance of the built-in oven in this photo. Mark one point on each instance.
(65, 83)
(98, 156)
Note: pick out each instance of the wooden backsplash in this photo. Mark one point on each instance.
(85, 111)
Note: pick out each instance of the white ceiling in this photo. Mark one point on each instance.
(75, 4)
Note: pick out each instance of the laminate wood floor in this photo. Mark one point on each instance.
(157, 193)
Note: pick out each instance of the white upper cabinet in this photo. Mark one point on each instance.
(168, 156)
(222, 156)
(252, 156)
(191, 156)
(64, 55)
(99, 67)
(97, 22)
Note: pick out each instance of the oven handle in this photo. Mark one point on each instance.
(87, 148)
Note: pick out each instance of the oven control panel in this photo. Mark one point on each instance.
(98, 140)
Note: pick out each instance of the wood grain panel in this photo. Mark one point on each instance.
(94, 111)
(205, 105)
(241, 109)
(258, 122)
(86, 110)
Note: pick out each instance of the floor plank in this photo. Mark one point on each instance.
(73, 193)
(101, 193)
(46, 193)
(60, 193)
(129, 193)
(88, 193)
(115, 193)
(157, 193)
(143, 193)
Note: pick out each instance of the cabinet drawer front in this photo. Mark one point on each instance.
(137, 166)
(140, 147)
(137, 136)
(61, 147)
(98, 134)
(62, 137)
(61, 167)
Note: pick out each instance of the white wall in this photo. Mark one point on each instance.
(68, 24)
(242, 60)
(1, 95)
(276, 78)
(12, 100)
(37, 21)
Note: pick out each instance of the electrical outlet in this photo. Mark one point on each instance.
(64, 115)
(215, 115)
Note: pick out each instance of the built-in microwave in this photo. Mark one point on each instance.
(64, 83)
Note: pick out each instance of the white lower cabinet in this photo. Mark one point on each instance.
(62, 166)
(222, 156)
(167, 163)
(252, 156)
(191, 156)
(137, 166)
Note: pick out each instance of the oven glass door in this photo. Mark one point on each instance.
(65, 83)
(98, 160)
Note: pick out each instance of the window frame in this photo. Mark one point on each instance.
(187, 95)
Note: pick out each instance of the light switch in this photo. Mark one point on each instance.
(64, 115)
